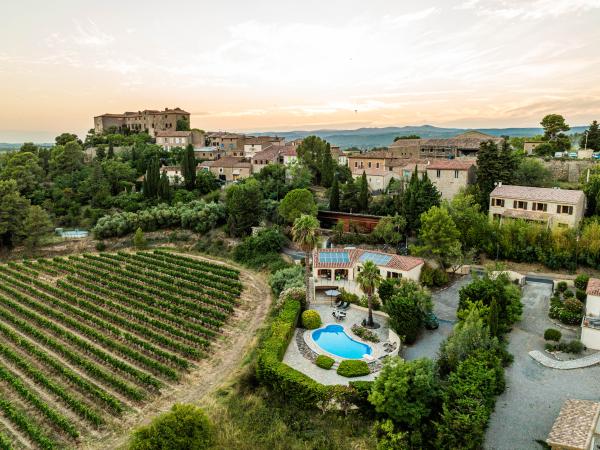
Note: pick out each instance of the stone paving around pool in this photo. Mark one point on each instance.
(300, 358)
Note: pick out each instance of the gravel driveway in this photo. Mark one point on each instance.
(526, 411)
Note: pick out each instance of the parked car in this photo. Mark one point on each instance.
(573, 155)
(431, 321)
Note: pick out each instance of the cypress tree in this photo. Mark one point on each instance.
(593, 137)
(327, 167)
(188, 168)
(111, 151)
(334, 196)
(493, 318)
(363, 195)
(152, 179)
(164, 188)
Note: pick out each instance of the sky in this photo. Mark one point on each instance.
(278, 65)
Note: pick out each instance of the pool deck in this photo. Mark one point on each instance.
(354, 315)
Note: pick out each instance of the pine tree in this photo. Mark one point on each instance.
(593, 137)
(363, 195)
(152, 179)
(188, 168)
(139, 241)
(164, 188)
(334, 196)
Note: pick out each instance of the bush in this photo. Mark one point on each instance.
(100, 246)
(286, 278)
(184, 427)
(407, 309)
(261, 250)
(349, 297)
(580, 295)
(574, 346)
(552, 334)
(387, 288)
(324, 362)
(311, 319)
(561, 286)
(353, 368)
(581, 281)
(573, 305)
(139, 241)
(431, 276)
(365, 333)
(569, 317)
(568, 294)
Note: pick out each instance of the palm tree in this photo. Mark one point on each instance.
(304, 233)
(368, 279)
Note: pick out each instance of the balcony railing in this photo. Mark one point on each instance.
(591, 322)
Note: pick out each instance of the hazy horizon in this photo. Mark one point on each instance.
(284, 66)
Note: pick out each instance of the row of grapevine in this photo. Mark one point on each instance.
(86, 337)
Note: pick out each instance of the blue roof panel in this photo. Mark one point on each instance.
(377, 258)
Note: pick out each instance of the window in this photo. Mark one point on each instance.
(438, 173)
(564, 209)
(498, 202)
(456, 174)
(369, 164)
(518, 204)
(355, 163)
(539, 206)
(394, 275)
(377, 165)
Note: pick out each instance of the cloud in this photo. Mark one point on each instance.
(416, 16)
(528, 9)
(91, 35)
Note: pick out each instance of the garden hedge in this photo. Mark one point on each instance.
(552, 334)
(311, 319)
(353, 368)
(324, 362)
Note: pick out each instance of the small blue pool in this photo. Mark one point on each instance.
(334, 340)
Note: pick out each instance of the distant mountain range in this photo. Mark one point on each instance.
(381, 137)
(365, 138)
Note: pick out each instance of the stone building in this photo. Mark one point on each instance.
(149, 120)
(465, 144)
(228, 169)
(550, 206)
(451, 175)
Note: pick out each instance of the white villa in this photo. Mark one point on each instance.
(338, 266)
(590, 327)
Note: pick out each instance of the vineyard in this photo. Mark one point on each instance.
(84, 339)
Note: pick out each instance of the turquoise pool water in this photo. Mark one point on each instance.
(334, 340)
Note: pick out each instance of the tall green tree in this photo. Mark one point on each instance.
(591, 139)
(327, 167)
(420, 195)
(164, 188)
(188, 168)
(532, 172)
(152, 179)
(65, 138)
(24, 168)
(554, 125)
(244, 207)
(111, 151)
(36, 224)
(296, 203)
(349, 197)
(13, 210)
(363, 193)
(66, 159)
(334, 195)
(493, 319)
(305, 235)
(494, 165)
(439, 236)
(369, 279)
(407, 308)
(390, 229)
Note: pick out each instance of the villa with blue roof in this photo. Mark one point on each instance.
(341, 265)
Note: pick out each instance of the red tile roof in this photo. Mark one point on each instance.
(593, 287)
(228, 161)
(536, 193)
(451, 164)
(398, 262)
(575, 424)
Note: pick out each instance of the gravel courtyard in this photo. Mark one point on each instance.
(534, 394)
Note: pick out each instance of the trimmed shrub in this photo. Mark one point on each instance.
(324, 362)
(580, 295)
(561, 286)
(552, 334)
(574, 346)
(581, 281)
(568, 294)
(353, 368)
(573, 305)
(311, 319)
(100, 246)
(184, 427)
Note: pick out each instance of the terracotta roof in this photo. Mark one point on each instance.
(228, 161)
(593, 287)
(398, 262)
(288, 150)
(403, 162)
(260, 140)
(573, 428)
(452, 164)
(173, 133)
(536, 193)
(270, 154)
(377, 154)
(223, 134)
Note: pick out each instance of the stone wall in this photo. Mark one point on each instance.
(563, 170)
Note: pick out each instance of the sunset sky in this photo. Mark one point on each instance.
(281, 65)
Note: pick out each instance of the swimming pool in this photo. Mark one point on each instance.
(333, 339)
